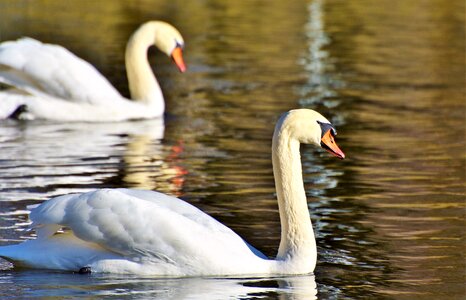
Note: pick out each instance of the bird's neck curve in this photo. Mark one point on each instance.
(297, 245)
(143, 85)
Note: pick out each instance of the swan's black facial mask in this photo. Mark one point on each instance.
(327, 140)
(326, 127)
(179, 45)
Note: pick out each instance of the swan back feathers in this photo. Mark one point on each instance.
(48, 70)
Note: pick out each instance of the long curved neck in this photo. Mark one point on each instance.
(297, 245)
(143, 85)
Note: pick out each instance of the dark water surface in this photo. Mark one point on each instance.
(389, 220)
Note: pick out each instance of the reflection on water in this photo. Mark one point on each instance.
(146, 168)
(72, 157)
(406, 115)
(47, 284)
(322, 82)
(389, 219)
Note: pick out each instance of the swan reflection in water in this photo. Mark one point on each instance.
(153, 170)
(126, 286)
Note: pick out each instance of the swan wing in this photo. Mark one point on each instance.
(142, 225)
(48, 70)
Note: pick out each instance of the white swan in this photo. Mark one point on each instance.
(49, 82)
(145, 232)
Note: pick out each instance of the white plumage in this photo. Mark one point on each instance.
(125, 230)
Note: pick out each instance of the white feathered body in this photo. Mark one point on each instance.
(133, 231)
(55, 84)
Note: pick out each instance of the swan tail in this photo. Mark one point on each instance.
(61, 251)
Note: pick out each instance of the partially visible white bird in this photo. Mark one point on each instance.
(146, 232)
(49, 82)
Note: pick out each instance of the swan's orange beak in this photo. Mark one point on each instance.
(177, 56)
(328, 143)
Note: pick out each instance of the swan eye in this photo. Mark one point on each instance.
(179, 45)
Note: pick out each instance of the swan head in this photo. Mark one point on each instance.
(309, 127)
(169, 40)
